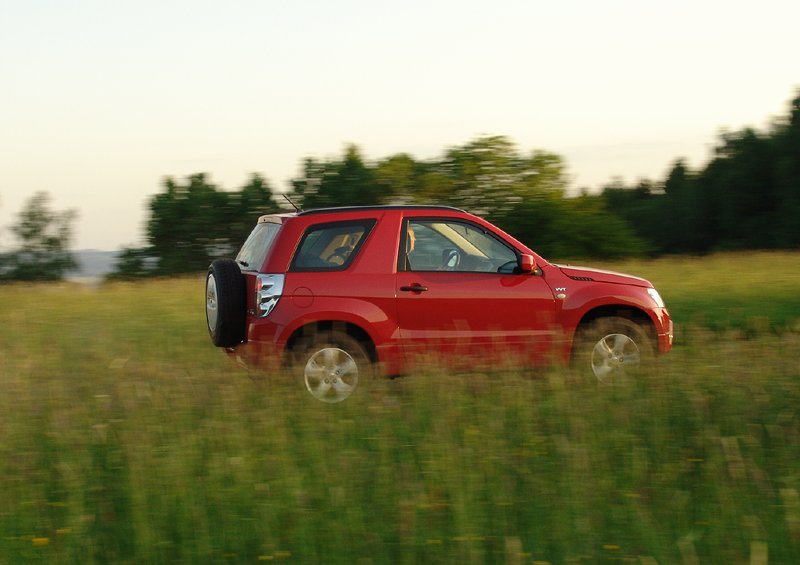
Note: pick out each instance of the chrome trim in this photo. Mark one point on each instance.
(269, 289)
(211, 302)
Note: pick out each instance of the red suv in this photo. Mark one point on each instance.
(340, 293)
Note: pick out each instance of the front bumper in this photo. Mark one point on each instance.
(666, 336)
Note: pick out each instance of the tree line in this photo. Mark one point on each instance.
(746, 197)
(192, 221)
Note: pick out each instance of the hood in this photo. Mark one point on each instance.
(599, 275)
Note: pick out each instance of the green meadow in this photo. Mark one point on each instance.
(126, 437)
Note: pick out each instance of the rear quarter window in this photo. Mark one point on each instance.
(331, 246)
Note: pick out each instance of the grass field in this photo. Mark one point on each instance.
(126, 437)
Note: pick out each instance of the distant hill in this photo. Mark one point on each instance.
(93, 264)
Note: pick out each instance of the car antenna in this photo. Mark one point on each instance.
(289, 200)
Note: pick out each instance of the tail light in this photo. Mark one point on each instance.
(269, 289)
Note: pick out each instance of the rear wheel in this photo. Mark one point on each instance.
(612, 348)
(225, 303)
(331, 364)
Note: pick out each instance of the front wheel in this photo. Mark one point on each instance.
(331, 365)
(612, 348)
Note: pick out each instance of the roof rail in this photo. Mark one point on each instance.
(379, 207)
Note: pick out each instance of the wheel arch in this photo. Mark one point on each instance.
(628, 312)
(313, 328)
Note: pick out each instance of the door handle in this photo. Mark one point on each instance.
(414, 288)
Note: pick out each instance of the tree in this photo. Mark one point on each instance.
(787, 176)
(43, 239)
(192, 222)
(682, 229)
(490, 177)
(399, 178)
(748, 206)
(573, 228)
(344, 182)
(746, 197)
(252, 201)
(184, 228)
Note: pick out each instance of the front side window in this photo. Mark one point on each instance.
(447, 245)
(331, 246)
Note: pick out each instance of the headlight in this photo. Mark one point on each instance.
(656, 297)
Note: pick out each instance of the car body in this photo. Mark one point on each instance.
(404, 284)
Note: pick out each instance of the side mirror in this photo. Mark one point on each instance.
(526, 263)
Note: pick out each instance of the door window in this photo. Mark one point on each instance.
(442, 245)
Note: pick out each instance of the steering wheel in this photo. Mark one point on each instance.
(452, 260)
(339, 255)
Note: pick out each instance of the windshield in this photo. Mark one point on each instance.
(255, 249)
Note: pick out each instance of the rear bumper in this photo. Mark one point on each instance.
(256, 355)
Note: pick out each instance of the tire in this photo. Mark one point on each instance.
(330, 365)
(612, 349)
(225, 303)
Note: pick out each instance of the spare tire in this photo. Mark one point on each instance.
(226, 303)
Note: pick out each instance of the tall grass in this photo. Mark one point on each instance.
(749, 291)
(126, 437)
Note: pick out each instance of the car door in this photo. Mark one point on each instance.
(461, 298)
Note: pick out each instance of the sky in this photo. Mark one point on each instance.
(99, 101)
